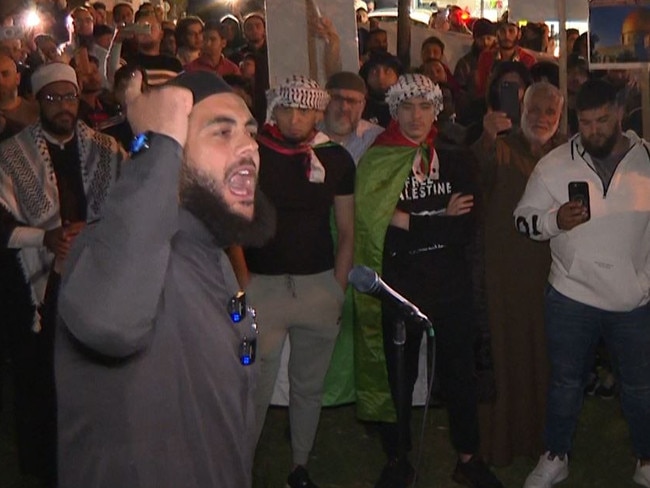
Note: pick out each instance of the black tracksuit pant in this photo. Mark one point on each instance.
(454, 328)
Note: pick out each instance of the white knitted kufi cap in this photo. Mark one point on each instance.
(51, 73)
(297, 91)
(413, 86)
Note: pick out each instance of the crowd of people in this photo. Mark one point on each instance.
(168, 219)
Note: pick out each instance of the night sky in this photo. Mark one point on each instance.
(606, 22)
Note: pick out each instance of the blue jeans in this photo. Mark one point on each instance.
(572, 331)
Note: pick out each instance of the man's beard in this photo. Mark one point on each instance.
(603, 150)
(201, 197)
(340, 126)
(533, 136)
(8, 95)
(55, 128)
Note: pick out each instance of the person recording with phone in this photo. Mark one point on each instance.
(83, 45)
(499, 110)
(589, 198)
(513, 302)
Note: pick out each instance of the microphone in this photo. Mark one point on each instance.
(367, 281)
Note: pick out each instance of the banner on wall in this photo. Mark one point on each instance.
(294, 48)
(620, 34)
(576, 10)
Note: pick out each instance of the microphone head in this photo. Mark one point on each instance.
(363, 279)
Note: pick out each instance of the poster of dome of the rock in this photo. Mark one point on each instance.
(619, 34)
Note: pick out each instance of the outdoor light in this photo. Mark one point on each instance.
(32, 19)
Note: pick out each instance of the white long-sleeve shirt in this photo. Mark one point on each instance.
(604, 262)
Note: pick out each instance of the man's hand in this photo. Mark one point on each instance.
(401, 220)
(571, 214)
(122, 34)
(459, 204)
(59, 240)
(162, 110)
(495, 122)
(324, 28)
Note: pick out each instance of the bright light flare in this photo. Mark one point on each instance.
(32, 19)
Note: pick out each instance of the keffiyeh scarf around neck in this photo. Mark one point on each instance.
(271, 137)
(29, 192)
(425, 161)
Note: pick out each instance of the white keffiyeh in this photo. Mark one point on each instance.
(29, 192)
(413, 86)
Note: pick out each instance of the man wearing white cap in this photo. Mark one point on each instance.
(54, 177)
(298, 279)
(413, 222)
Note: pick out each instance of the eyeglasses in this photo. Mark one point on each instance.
(349, 100)
(238, 311)
(69, 97)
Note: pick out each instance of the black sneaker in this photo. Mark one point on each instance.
(395, 476)
(299, 478)
(475, 474)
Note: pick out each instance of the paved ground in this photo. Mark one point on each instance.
(348, 454)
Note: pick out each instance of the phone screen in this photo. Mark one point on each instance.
(579, 192)
(509, 100)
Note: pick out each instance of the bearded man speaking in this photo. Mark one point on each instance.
(155, 348)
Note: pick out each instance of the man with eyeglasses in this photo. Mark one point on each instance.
(54, 177)
(342, 121)
(155, 350)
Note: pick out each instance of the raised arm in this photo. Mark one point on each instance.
(114, 275)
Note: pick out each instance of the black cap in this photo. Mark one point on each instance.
(483, 27)
(202, 84)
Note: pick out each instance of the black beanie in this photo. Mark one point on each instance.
(202, 84)
(381, 58)
(483, 27)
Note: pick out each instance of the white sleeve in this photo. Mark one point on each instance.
(26, 237)
(536, 212)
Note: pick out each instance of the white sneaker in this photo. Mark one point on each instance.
(642, 474)
(548, 472)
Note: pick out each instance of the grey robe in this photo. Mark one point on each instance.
(151, 391)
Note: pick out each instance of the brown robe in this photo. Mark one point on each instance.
(516, 272)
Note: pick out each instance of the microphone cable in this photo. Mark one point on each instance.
(418, 459)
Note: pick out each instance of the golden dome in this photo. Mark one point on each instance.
(636, 21)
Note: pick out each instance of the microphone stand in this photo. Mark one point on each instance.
(402, 403)
(399, 341)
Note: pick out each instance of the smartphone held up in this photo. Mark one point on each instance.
(579, 192)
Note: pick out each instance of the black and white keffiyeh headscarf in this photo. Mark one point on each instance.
(412, 86)
(297, 91)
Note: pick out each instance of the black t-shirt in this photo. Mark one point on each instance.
(159, 68)
(303, 240)
(429, 261)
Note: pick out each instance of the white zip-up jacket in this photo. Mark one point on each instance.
(604, 262)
